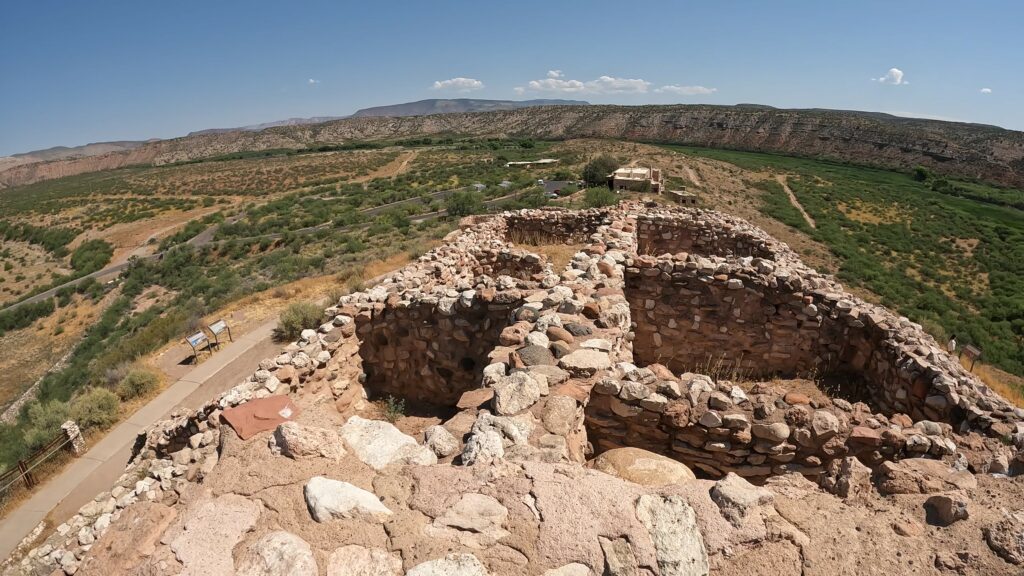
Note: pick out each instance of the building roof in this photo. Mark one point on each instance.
(632, 173)
(531, 162)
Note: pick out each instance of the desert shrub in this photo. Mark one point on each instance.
(297, 317)
(113, 375)
(137, 383)
(91, 255)
(394, 408)
(44, 421)
(599, 197)
(25, 315)
(94, 408)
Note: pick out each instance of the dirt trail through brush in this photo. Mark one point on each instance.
(692, 175)
(781, 178)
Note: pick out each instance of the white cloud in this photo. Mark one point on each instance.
(556, 82)
(312, 81)
(894, 76)
(459, 84)
(985, 90)
(686, 90)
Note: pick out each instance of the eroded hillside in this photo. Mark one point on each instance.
(977, 151)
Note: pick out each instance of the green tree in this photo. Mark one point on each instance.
(597, 170)
(464, 203)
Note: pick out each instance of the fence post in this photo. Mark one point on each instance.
(25, 475)
(77, 445)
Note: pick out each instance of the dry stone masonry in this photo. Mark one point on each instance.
(659, 345)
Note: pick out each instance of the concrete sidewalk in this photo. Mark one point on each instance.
(98, 469)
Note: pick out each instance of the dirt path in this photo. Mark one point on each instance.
(692, 175)
(391, 169)
(781, 178)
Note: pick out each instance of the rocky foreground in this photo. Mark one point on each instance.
(543, 432)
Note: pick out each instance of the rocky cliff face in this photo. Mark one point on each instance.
(970, 150)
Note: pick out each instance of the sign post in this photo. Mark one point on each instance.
(217, 328)
(972, 354)
(196, 341)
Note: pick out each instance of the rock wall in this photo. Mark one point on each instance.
(556, 366)
(720, 427)
(433, 349)
(698, 234)
(554, 226)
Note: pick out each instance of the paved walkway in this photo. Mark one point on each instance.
(97, 470)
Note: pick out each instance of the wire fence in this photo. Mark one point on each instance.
(23, 477)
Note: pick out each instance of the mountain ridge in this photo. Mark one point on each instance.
(978, 151)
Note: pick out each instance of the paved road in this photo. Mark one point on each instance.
(97, 470)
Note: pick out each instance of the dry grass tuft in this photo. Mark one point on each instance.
(558, 254)
(1005, 384)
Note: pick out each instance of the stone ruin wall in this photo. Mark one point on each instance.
(429, 332)
(661, 233)
(430, 351)
(553, 226)
(559, 365)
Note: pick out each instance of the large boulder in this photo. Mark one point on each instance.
(211, 531)
(277, 554)
(1006, 537)
(642, 467)
(736, 497)
(515, 393)
(945, 509)
(328, 499)
(134, 537)
(847, 478)
(475, 520)
(560, 415)
(441, 441)
(450, 565)
(299, 441)
(354, 560)
(922, 476)
(672, 526)
(585, 362)
(379, 444)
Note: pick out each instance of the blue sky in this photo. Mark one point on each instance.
(78, 72)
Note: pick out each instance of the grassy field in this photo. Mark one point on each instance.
(951, 260)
